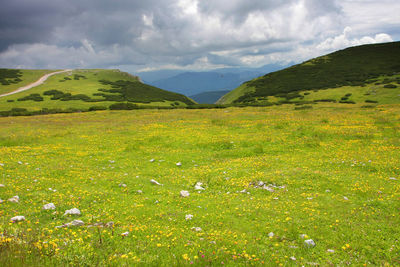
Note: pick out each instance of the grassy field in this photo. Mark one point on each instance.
(87, 83)
(28, 76)
(334, 171)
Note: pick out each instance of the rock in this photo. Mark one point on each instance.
(122, 185)
(2, 185)
(139, 192)
(110, 224)
(244, 191)
(197, 229)
(49, 206)
(18, 219)
(76, 223)
(345, 198)
(125, 234)
(392, 178)
(154, 182)
(261, 183)
(14, 199)
(303, 236)
(2, 164)
(152, 160)
(179, 164)
(293, 258)
(1, 201)
(271, 234)
(199, 186)
(188, 217)
(184, 193)
(268, 188)
(309, 243)
(73, 223)
(73, 211)
(330, 251)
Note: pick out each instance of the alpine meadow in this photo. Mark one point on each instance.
(199, 133)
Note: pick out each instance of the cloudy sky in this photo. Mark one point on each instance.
(137, 35)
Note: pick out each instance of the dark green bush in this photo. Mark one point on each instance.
(123, 106)
(94, 108)
(371, 101)
(33, 97)
(303, 107)
(390, 86)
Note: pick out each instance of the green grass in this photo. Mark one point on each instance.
(28, 76)
(89, 85)
(320, 155)
(349, 67)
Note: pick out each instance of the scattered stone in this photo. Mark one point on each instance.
(156, 202)
(244, 191)
(125, 234)
(327, 190)
(197, 229)
(276, 198)
(293, 258)
(2, 185)
(139, 192)
(330, 251)
(154, 182)
(268, 188)
(309, 243)
(152, 160)
(122, 185)
(199, 186)
(18, 219)
(392, 178)
(14, 199)
(184, 193)
(345, 198)
(188, 217)
(110, 224)
(1, 201)
(271, 234)
(20, 162)
(73, 211)
(49, 206)
(2, 164)
(73, 223)
(51, 189)
(309, 198)
(179, 164)
(293, 247)
(111, 161)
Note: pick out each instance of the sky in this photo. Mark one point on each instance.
(138, 35)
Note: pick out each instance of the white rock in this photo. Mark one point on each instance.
(152, 160)
(268, 188)
(122, 185)
(244, 191)
(309, 243)
(345, 198)
(1, 164)
(49, 206)
(330, 251)
(392, 178)
(139, 192)
(261, 183)
(179, 164)
(293, 258)
(76, 223)
(18, 219)
(188, 217)
(73, 211)
(197, 229)
(271, 234)
(327, 190)
(14, 199)
(199, 186)
(125, 234)
(154, 182)
(1, 201)
(20, 162)
(2, 185)
(184, 193)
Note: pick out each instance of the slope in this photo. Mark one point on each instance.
(352, 67)
(94, 88)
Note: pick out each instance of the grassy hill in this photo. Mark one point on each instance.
(371, 72)
(83, 90)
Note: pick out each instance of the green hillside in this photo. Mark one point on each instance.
(83, 90)
(366, 70)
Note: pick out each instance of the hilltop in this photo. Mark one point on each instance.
(367, 73)
(85, 89)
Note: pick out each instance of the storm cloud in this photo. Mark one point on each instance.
(192, 34)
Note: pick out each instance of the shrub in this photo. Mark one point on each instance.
(94, 108)
(371, 101)
(390, 86)
(303, 107)
(347, 102)
(33, 97)
(123, 106)
(10, 100)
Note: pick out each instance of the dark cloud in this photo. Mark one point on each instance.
(186, 33)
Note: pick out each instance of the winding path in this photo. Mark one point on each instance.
(37, 83)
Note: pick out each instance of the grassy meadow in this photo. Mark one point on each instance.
(334, 171)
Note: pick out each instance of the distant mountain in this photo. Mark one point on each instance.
(209, 97)
(354, 66)
(195, 82)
